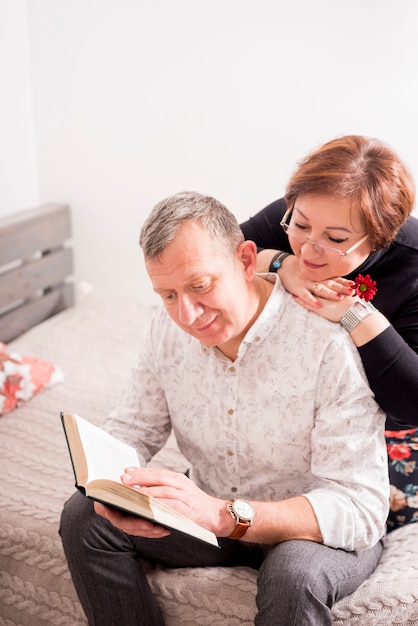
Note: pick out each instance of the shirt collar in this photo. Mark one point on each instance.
(268, 317)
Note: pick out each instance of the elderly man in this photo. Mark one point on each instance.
(269, 405)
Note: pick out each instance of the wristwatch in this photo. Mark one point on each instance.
(355, 314)
(243, 513)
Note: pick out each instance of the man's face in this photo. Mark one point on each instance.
(206, 291)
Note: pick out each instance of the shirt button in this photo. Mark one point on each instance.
(230, 452)
(257, 338)
(232, 370)
(230, 411)
(234, 489)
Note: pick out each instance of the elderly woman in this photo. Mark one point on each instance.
(343, 235)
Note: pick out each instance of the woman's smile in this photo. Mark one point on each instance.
(313, 266)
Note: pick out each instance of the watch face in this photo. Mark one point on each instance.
(243, 509)
(362, 309)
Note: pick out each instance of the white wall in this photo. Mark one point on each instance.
(18, 173)
(135, 100)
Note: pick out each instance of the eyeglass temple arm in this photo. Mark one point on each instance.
(356, 245)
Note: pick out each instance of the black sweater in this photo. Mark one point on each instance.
(391, 359)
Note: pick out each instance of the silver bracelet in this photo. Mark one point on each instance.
(277, 261)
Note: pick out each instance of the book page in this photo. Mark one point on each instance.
(106, 456)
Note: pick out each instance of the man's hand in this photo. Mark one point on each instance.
(176, 491)
(292, 518)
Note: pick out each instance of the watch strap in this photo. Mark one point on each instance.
(355, 314)
(239, 530)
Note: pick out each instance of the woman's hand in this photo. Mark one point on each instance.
(330, 309)
(315, 293)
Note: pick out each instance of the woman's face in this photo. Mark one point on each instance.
(328, 221)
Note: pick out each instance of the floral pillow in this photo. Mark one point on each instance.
(22, 377)
(402, 447)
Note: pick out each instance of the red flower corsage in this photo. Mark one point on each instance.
(365, 287)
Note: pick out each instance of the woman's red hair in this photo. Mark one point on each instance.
(368, 172)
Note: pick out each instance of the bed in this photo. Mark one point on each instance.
(91, 340)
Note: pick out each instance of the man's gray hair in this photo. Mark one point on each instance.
(161, 226)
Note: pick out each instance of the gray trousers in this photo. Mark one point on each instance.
(298, 581)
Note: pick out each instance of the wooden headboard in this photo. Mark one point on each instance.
(36, 264)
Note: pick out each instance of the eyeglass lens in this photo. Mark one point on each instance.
(319, 247)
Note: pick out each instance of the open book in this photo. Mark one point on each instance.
(98, 461)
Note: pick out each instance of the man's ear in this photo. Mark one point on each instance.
(247, 255)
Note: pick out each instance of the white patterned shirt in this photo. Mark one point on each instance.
(292, 415)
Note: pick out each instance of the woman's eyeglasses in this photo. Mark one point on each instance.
(321, 248)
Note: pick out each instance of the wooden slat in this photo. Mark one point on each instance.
(19, 320)
(32, 231)
(25, 281)
(34, 267)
